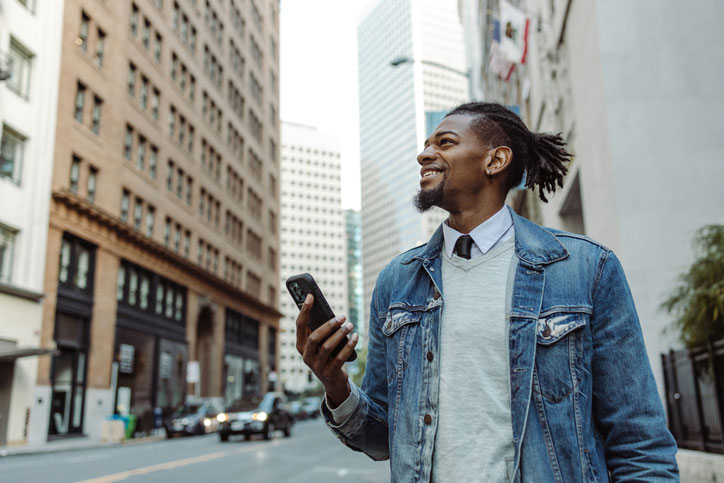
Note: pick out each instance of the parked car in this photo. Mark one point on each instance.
(194, 418)
(310, 406)
(252, 416)
(297, 411)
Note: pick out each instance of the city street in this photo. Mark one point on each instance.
(311, 454)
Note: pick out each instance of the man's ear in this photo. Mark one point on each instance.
(499, 160)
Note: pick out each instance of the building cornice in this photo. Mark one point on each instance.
(21, 292)
(124, 231)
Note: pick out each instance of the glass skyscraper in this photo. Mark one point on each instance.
(425, 38)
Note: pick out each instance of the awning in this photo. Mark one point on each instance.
(9, 354)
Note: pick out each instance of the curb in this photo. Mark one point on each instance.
(50, 448)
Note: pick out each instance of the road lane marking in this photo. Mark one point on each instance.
(91, 457)
(174, 464)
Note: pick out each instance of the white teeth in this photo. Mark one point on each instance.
(429, 173)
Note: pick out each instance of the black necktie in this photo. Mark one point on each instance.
(463, 246)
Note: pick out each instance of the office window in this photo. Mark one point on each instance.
(189, 187)
(143, 292)
(153, 162)
(7, 245)
(131, 80)
(187, 243)
(169, 176)
(125, 200)
(179, 182)
(82, 40)
(120, 282)
(92, 180)
(100, 47)
(137, 214)
(177, 238)
(171, 121)
(167, 232)
(96, 115)
(154, 103)
(146, 35)
(11, 154)
(144, 92)
(174, 67)
(141, 153)
(79, 102)
(74, 174)
(19, 61)
(150, 219)
(128, 143)
(157, 48)
(134, 19)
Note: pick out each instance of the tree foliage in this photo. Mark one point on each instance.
(697, 304)
(361, 367)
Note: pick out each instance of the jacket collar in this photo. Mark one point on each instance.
(533, 244)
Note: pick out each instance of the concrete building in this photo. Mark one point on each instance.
(313, 235)
(28, 101)
(424, 39)
(641, 110)
(162, 272)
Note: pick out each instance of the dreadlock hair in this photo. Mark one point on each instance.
(539, 155)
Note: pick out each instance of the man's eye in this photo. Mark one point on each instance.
(445, 141)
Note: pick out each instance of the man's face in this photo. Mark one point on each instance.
(452, 165)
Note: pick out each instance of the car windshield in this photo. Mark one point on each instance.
(186, 409)
(243, 405)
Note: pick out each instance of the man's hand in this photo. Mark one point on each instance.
(316, 348)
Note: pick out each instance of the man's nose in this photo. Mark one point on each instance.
(428, 154)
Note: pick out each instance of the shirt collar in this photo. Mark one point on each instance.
(485, 235)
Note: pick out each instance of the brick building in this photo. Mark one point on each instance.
(163, 238)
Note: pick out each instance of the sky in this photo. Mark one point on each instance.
(318, 80)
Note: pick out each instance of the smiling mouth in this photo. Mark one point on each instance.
(429, 173)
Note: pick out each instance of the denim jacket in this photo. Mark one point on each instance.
(584, 403)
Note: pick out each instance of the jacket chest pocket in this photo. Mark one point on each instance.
(558, 354)
(399, 329)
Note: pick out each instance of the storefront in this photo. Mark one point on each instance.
(241, 357)
(150, 348)
(72, 326)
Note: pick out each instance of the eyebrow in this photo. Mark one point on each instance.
(427, 141)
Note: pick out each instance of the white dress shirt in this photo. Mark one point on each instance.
(496, 229)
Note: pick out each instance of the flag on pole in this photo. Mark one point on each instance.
(514, 34)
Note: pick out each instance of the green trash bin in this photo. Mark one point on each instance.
(130, 426)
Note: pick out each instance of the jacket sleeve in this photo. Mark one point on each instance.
(366, 428)
(626, 405)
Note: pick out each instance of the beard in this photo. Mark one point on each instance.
(426, 199)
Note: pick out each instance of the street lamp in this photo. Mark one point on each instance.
(396, 62)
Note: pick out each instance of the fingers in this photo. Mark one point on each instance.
(338, 361)
(318, 337)
(302, 321)
(333, 341)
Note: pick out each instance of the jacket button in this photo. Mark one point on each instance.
(429, 356)
(436, 295)
(428, 419)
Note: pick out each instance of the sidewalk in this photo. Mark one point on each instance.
(74, 444)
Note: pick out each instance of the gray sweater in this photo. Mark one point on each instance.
(474, 438)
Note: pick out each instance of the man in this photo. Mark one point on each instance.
(500, 350)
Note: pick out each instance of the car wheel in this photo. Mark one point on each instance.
(269, 432)
(224, 437)
(288, 429)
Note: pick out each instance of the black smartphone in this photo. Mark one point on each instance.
(301, 285)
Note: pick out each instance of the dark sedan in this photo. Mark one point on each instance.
(253, 416)
(196, 418)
